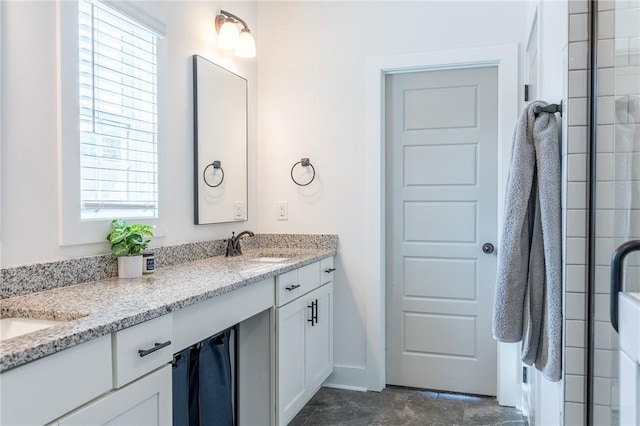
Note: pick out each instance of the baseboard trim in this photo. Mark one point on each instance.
(347, 377)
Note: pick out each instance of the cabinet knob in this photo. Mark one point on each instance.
(292, 287)
(328, 271)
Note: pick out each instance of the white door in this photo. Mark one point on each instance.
(441, 168)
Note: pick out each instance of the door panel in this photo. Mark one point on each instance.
(441, 166)
(448, 165)
(463, 214)
(421, 114)
(432, 334)
(460, 272)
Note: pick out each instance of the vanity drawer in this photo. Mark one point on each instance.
(142, 348)
(326, 270)
(293, 284)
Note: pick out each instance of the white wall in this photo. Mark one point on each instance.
(31, 124)
(311, 94)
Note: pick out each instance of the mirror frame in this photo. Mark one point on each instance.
(200, 168)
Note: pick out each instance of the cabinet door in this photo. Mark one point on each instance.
(291, 385)
(319, 337)
(144, 402)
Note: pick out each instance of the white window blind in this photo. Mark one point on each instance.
(118, 115)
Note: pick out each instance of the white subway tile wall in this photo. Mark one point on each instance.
(575, 333)
(574, 388)
(573, 414)
(574, 360)
(578, 6)
(575, 215)
(578, 27)
(617, 193)
(578, 55)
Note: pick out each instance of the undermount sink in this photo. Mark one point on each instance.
(13, 327)
(269, 259)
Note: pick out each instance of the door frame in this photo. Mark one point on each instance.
(506, 58)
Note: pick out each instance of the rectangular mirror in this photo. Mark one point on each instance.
(220, 135)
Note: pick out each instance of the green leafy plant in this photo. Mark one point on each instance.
(128, 240)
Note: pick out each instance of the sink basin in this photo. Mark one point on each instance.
(268, 259)
(260, 267)
(12, 327)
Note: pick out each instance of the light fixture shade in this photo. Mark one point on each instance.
(246, 47)
(228, 35)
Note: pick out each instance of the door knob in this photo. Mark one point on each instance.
(487, 248)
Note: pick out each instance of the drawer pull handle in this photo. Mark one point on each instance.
(311, 306)
(314, 313)
(156, 347)
(330, 270)
(292, 287)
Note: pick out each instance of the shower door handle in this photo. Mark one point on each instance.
(617, 263)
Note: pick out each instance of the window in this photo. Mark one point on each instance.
(118, 115)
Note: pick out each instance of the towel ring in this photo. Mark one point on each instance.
(216, 165)
(304, 163)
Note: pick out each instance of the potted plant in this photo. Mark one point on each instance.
(127, 244)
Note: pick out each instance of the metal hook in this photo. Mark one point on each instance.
(552, 108)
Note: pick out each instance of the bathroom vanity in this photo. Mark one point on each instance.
(113, 361)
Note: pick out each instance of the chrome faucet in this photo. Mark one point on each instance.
(233, 243)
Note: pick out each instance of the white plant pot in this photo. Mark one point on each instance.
(130, 266)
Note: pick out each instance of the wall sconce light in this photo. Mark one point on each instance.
(229, 38)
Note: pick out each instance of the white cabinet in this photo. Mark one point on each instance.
(146, 401)
(304, 333)
(319, 337)
(86, 384)
(125, 378)
(43, 390)
(142, 380)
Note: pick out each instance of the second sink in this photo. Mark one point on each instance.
(269, 259)
(13, 327)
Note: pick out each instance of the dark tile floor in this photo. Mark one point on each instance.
(404, 406)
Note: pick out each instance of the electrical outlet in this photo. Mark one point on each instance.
(283, 210)
(238, 210)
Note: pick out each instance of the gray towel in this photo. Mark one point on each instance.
(528, 300)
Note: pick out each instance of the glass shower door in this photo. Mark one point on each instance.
(617, 192)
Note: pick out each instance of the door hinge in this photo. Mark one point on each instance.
(525, 375)
(526, 92)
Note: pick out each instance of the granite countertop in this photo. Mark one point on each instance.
(97, 308)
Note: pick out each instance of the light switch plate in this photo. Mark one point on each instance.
(282, 212)
(238, 210)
